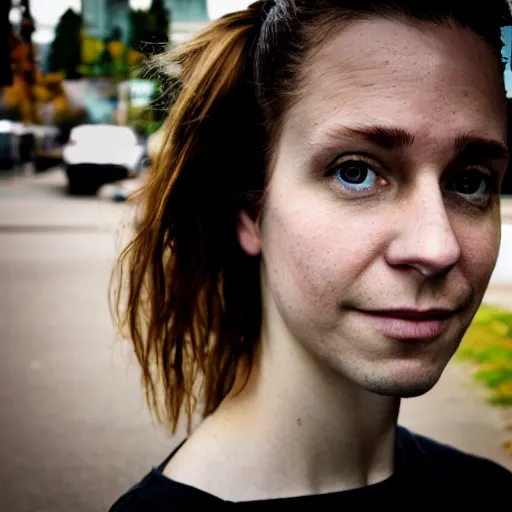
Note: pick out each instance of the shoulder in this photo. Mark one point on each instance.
(449, 466)
(156, 492)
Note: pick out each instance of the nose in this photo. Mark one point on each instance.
(424, 236)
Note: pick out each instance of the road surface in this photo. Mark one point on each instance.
(74, 431)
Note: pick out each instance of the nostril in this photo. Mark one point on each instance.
(431, 271)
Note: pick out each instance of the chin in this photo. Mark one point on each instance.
(402, 390)
(404, 384)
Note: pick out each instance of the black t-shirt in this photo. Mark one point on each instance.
(427, 474)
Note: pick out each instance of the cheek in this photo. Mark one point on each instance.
(480, 246)
(313, 257)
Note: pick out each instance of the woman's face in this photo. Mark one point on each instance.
(382, 223)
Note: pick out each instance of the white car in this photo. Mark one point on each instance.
(97, 154)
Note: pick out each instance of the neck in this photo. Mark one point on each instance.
(306, 427)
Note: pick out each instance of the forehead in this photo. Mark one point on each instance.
(434, 80)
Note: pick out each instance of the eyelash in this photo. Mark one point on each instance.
(490, 177)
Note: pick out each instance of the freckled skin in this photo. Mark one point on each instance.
(413, 246)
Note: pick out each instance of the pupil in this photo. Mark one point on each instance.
(469, 183)
(355, 173)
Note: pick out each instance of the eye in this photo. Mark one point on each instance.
(471, 182)
(356, 175)
(475, 184)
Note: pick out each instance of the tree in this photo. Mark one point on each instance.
(5, 46)
(115, 56)
(25, 70)
(65, 51)
(138, 24)
(150, 29)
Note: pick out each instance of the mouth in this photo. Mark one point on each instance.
(410, 324)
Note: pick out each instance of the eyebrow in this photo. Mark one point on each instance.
(387, 137)
(468, 147)
(471, 148)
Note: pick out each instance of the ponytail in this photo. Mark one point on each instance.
(185, 294)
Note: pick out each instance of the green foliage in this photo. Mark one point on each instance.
(493, 376)
(65, 51)
(488, 343)
(146, 128)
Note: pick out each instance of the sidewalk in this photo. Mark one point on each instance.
(499, 292)
(456, 412)
(506, 210)
(499, 296)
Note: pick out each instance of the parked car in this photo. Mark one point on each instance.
(99, 154)
(7, 143)
(17, 143)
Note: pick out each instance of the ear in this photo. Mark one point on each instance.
(249, 235)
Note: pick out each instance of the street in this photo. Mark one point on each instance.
(75, 431)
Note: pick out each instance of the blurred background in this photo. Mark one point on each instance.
(80, 113)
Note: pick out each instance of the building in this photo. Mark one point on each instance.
(507, 56)
(187, 18)
(101, 17)
(188, 10)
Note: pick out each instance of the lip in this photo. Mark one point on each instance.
(410, 324)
